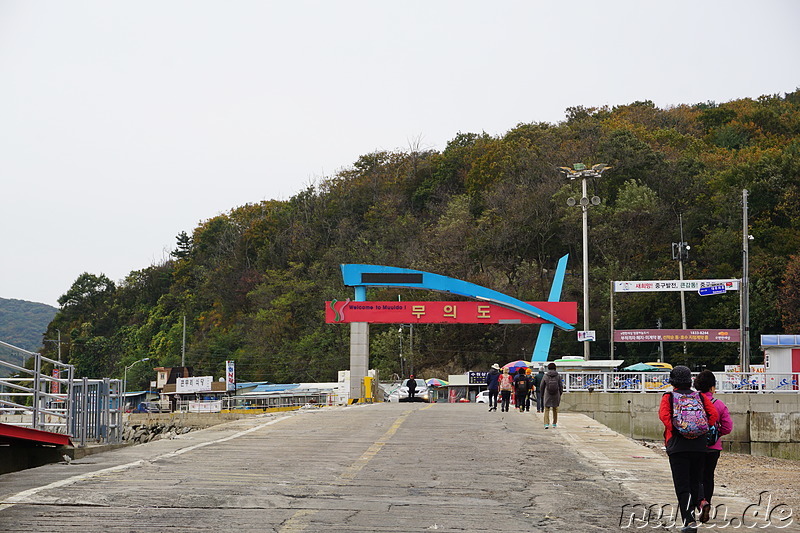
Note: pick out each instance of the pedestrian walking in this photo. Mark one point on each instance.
(506, 384)
(492, 384)
(686, 415)
(522, 387)
(553, 388)
(706, 384)
(537, 387)
(412, 387)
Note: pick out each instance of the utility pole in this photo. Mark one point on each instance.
(680, 251)
(183, 344)
(745, 289)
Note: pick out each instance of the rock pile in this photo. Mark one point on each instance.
(141, 433)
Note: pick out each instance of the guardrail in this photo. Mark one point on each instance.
(736, 382)
(85, 409)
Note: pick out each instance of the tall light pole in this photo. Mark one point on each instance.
(125, 379)
(579, 171)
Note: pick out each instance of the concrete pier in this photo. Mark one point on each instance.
(382, 467)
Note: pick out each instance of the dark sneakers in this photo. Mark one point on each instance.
(705, 511)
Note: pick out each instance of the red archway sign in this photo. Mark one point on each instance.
(437, 312)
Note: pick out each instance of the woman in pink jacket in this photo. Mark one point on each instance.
(706, 384)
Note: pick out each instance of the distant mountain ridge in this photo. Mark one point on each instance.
(23, 324)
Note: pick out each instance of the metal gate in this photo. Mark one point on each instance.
(85, 409)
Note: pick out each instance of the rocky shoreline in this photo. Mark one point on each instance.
(145, 432)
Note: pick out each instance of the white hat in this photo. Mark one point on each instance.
(496, 366)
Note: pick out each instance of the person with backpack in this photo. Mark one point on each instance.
(537, 390)
(706, 384)
(553, 388)
(492, 379)
(522, 387)
(506, 384)
(687, 416)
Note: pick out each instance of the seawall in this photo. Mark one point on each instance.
(766, 424)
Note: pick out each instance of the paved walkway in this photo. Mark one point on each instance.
(385, 467)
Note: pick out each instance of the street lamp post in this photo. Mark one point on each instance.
(125, 379)
(579, 170)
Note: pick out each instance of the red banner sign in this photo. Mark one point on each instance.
(677, 335)
(442, 313)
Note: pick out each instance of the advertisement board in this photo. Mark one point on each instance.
(674, 285)
(677, 335)
(230, 373)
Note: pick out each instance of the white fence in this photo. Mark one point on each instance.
(659, 381)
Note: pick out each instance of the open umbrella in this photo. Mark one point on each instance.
(641, 367)
(436, 382)
(514, 366)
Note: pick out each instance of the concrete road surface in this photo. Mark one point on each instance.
(384, 467)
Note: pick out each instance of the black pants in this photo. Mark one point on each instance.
(505, 400)
(687, 476)
(493, 398)
(712, 456)
(412, 393)
(522, 400)
(539, 401)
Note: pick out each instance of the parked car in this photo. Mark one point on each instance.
(422, 394)
(151, 407)
(482, 397)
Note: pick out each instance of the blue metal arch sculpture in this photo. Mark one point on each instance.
(362, 276)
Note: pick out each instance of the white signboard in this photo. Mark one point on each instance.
(675, 285)
(214, 406)
(195, 384)
(587, 335)
(230, 371)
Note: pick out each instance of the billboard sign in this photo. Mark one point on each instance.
(674, 285)
(677, 335)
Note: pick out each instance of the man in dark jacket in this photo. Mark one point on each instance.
(412, 387)
(492, 384)
(553, 388)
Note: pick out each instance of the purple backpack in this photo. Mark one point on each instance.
(689, 414)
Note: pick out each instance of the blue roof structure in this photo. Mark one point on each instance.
(780, 340)
(275, 387)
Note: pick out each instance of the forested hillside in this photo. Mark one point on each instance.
(22, 324)
(487, 209)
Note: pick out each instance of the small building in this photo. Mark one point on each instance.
(781, 361)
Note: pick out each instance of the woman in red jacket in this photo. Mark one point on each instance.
(686, 455)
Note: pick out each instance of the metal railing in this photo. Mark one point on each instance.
(659, 381)
(85, 409)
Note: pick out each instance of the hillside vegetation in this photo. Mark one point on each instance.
(22, 324)
(487, 209)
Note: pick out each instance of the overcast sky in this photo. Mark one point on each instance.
(124, 123)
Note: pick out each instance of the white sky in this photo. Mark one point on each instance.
(125, 123)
